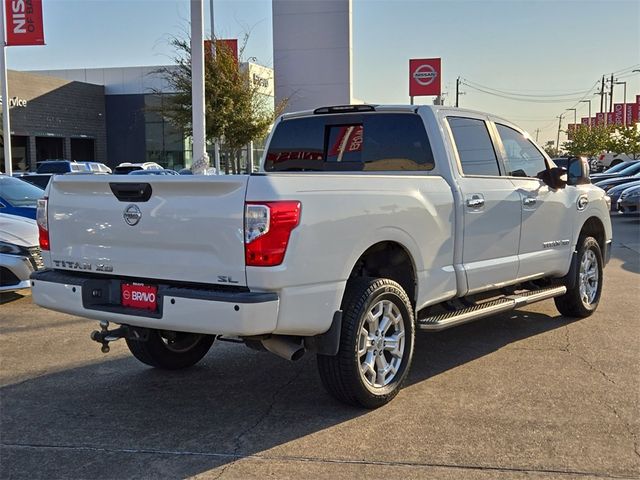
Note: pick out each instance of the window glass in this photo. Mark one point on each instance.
(474, 146)
(523, 158)
(352, 142)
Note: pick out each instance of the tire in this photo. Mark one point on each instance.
(582, 300)
(171, 350)
(342, 375)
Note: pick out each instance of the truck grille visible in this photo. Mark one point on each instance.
(35, 257)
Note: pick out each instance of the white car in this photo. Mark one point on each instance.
(127, 167)
(19, 252)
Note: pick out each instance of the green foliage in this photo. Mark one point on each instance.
(587, 141)
(551, 149)
(626, 140)
(234, 109)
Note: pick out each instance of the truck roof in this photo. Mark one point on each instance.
(363, 108)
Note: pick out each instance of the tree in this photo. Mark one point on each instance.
(587, 141)
(235, 110)
(550, 149)
(626, 140)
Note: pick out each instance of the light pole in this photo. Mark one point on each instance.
(624, 103)
(589, 102)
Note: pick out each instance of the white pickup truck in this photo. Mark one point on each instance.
(364, 224)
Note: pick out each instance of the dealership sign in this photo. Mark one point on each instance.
(424, 77)
(15, 102)
(24, 22)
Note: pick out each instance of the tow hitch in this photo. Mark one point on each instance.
(104, 336)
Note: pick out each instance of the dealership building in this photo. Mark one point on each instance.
(107, 115)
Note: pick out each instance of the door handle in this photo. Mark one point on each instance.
(475, 202)
(529, 201)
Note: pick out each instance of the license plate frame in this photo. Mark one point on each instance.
(139, 296)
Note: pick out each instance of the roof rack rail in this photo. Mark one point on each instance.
(345, 109)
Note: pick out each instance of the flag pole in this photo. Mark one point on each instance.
(6, 123)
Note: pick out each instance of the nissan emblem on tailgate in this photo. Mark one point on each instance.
(132, 215)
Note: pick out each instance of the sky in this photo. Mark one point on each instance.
(557, 50)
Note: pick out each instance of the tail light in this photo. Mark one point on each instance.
(43, 223)
(267, 227)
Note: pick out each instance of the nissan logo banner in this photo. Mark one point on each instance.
(424, 77)
(24, 22)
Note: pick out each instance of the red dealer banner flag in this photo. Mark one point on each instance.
(618, 113)
(424, 77)
(24, 22)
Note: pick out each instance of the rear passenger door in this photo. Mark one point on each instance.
(491, 207)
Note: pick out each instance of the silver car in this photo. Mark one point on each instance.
(629, 201)
(19, 252)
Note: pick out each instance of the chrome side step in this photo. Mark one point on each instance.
(446, 320)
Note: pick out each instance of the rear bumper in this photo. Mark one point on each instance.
(180, 309)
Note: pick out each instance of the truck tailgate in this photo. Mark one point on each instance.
(189, 229)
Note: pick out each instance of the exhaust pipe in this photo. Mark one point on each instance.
(284, 347)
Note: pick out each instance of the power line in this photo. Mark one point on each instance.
(524, 99)
(513, 93)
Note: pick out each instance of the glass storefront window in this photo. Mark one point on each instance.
(165, 143)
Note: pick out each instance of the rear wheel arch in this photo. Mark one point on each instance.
(388, 259)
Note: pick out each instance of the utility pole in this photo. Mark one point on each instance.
(537, 133)
(611, 96)
(457, 90)
(558, 138)
(602, 96)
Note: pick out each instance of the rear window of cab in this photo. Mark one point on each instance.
(352, 142)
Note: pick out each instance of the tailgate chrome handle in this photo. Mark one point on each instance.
(131, 192)
(529, 201)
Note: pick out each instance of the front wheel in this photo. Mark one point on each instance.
(376, 344)
(582, 300)
(171, 350)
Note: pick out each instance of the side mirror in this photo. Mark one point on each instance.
(554, 177)
(578, 171)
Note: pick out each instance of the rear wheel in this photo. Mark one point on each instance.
(376, 344)
(171, 350)
(582, 300)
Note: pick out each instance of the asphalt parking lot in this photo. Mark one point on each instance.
(529, 394)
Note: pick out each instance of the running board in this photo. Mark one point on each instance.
(451, 319)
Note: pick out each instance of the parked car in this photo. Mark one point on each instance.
(629, 201)
(61, 166)
(164, 171)
(126, 167)
(620, 170)
(96, 167)
(364, 224)
(608, 160)
(615, 193)
(18, 197)
(40, 180)
(561, 161)
(609, 183)
(20, 254)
